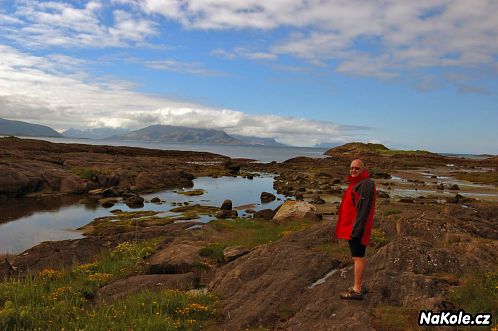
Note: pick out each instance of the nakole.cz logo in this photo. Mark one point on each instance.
(451, 318)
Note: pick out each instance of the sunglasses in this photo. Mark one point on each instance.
(354, 168)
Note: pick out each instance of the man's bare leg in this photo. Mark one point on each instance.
(359, 269)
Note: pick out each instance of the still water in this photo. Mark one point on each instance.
(259, 153)
(27, 222)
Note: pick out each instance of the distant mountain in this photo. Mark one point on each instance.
(18, 128)
(97, 133)
(179, 134)
(250, 140)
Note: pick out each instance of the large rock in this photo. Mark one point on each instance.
(134, 201)
(295, 210)
(174, 259)
(124, 287)
(232, 253)
(267, 197)
(13, 182)
(265, 214)
(226, 205)
(226, 214)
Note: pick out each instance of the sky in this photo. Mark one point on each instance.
(408, 74)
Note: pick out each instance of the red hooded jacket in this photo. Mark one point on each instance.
(357, 209)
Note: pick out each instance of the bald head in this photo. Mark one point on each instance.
(356, 167)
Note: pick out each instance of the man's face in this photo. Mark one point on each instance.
(356, 168)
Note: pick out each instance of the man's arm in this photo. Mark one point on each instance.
(366, 191)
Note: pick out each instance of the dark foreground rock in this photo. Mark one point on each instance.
(124, 287)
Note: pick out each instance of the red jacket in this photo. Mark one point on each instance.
(357, 209)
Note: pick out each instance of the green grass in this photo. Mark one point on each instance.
(60, 299)
(251, 233)
(489, 178)
(379, 238)
(85, 173)
(247, 233)
(395, 318)
(392, 211)
(478, 294)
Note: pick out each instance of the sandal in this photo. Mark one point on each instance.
(352, 295)
(364, 289)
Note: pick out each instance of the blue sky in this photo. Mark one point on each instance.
(409, 75)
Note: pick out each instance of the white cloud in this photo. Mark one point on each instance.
(40, 90)
(46, 24)
(398, 35)
(193, 68)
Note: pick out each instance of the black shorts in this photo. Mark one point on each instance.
(356, 248)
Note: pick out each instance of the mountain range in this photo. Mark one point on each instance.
(19, 128)
(153, 133)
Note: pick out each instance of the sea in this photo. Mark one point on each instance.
(264, 154)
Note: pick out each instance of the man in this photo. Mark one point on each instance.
(355, 223)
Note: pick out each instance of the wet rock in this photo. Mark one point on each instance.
(226, 214)
(108, 202)
(97, 191)
(267, 197)
(232, 253)
(406, 200)
(135, 201)
(155, 200)
(454, 187)
(226, 205)
(265, 214)
(232, 166)
(134, 284)
(382, 194)
(456, 199)
(174, 259)
(109, 192)
(317, 200)
(295, 210)
(381, 175)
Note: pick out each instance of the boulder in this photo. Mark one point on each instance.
(135, 201)
(226, 205)
(109, 192)
(454, 187)
(265, 214)
(382, 194)
(232, 253)
(295, 210)
(125, 287)
(155, 200)
(226, 214)
(267, 197)
(12, 182)
(317, 200)
(174, 259)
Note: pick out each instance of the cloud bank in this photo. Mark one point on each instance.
(46, 90)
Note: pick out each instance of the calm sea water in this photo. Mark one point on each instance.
(259, 153)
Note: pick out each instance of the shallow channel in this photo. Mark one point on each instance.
(27, 222)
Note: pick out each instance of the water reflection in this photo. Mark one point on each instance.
(27, 222)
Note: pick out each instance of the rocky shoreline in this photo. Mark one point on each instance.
(423, 247)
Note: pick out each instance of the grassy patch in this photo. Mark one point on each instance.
(490, 178)
(395, 318)
(379, 238)
(192, 192)
(338, 252)
(59, 299)
(392, 211)
(479, 293)
(85, 173)
(213, 251)
(204, 210)
(251, 233)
